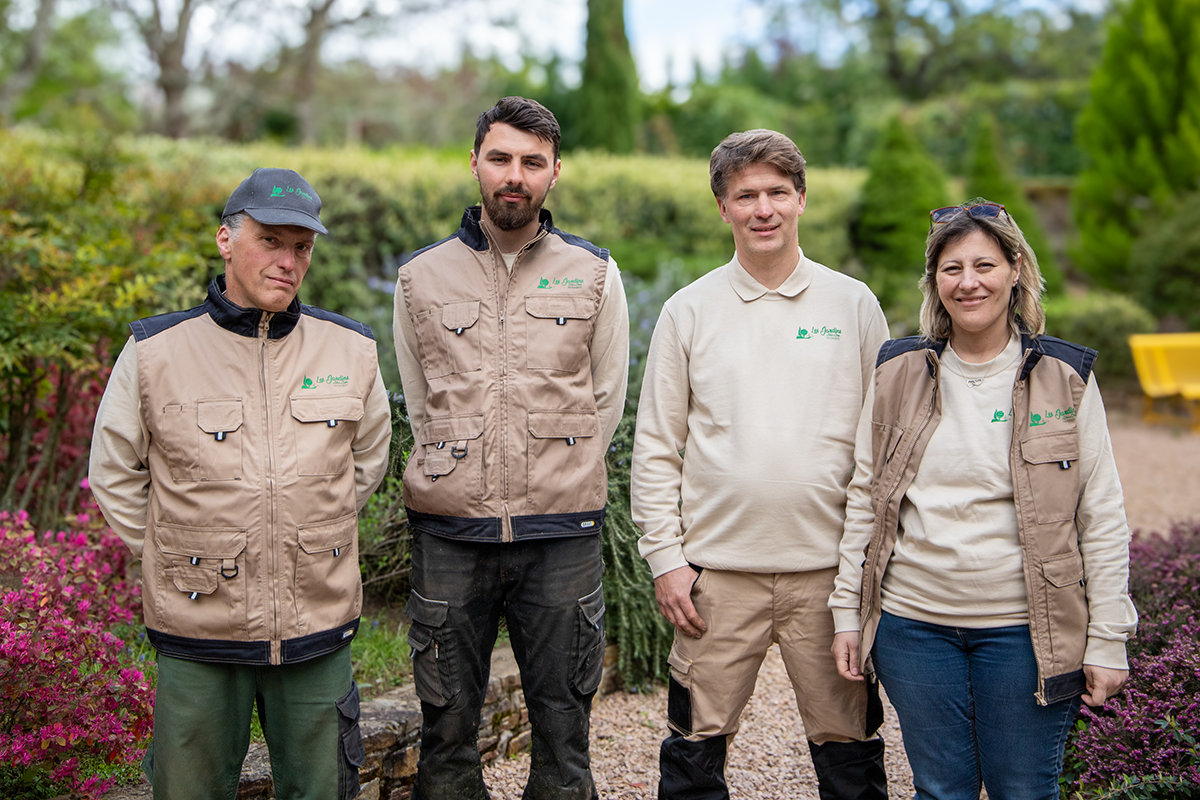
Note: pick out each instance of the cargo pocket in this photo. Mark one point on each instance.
(351, 753)
(432, 660)
(201, 586)
(679, 693)
(448, 339)
(325, 428)
(201, 442)
(1052, 462)
(327, 574)
(563, 461)
(589, 642)
(1066, 604)
(558, 331)
(446, 469)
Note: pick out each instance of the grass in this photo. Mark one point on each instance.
(380, 654)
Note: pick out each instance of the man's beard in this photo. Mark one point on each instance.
(512, 216)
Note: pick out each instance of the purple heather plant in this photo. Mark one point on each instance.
(67, 696)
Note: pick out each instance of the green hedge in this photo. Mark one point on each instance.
(1103, 322)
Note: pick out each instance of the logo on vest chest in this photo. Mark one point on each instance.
(556, 283)
(325, 380)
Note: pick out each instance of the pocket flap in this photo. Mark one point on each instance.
(1053, 447)
(194, 579)
(419, 639)
(431, 613)
(678, 662)
(451, 429)
(349, 705)
(200, 542)
(593, 607)
(1064, 570)
(321, 537)
(461, 314)
(563, 424)
(219, 416)
(323, 409)
(555, 306)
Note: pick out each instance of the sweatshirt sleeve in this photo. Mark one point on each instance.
(1103, 538)
(118, 469)
(860, 520)
(371, 442)
(412, 378)
(610, 353)
(661, 436)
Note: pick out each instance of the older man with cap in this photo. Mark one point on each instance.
(233, 448)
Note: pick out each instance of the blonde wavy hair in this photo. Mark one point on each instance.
(1025, 312)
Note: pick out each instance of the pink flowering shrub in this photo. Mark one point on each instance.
(66, 695)
(1143, 742)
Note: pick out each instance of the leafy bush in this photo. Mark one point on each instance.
(1103, 322)
(1165, 264)
(889, 228)
(1142, 743)
(68, 695)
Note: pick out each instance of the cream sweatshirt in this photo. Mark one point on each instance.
(957, 560)
(745, 430)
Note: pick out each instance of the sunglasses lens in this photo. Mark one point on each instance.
(986, 210)
(940, 215)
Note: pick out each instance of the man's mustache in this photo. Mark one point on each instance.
(513, 190)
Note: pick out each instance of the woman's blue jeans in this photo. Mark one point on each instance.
(965, 699)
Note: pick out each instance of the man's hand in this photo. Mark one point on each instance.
(845, 653)
(673, 591)
(1102, 683)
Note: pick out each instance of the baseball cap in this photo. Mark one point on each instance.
(277, 197)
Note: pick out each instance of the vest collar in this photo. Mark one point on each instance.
(472, 235)
(245, 321)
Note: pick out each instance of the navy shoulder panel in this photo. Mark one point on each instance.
(579, 241)
(143, 329)
(337, 319)
(435, 244)
(1079, 358)
(898, 347)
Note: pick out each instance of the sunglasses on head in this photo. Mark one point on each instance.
(978, 211)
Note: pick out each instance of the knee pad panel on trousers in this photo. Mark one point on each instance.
(692, 770)
(679, 706)
(850, 770)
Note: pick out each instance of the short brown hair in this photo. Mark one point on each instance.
(1025, 303)
(759, 146)
(524, 115)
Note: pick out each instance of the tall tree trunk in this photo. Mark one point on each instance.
(31, 61)
(309, 68)
(608, 96)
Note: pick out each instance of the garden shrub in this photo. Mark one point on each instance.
(70, 702)
(1142, 743)
(1103, 322)
(1165, 265)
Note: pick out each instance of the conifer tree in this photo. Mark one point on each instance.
(903, 185)
(608, 96)
(987, 177)
(1141, 131)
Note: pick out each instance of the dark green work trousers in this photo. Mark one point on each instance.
(309, 715)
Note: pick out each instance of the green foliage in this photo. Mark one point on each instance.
(889, 228)
(1141, 132)
(379, 653)
(608, 97)
(1103, 322)
(384, 541)
(1165, 265)
(987, 177)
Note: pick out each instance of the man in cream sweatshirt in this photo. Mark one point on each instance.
(743, 452)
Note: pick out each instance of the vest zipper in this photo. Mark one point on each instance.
(506, 534)
(264, 328)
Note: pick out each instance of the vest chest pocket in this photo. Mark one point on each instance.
(448, 339)
(201, 581)
(325, 428)
(1052, 462)
(202, 442)
(558, 331)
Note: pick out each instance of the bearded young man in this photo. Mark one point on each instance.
(513, 343)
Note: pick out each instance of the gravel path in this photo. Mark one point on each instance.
(1160, 474)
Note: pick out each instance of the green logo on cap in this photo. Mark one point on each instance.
(277, 192)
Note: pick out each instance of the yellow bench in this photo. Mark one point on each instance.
(1168, 366)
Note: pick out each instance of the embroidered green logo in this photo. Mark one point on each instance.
(1000, 416)
(566, 283)
(1066, 414)
(543, 283)
(327, 380)
(823, 332)
(1035, 420)
(277, 192)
